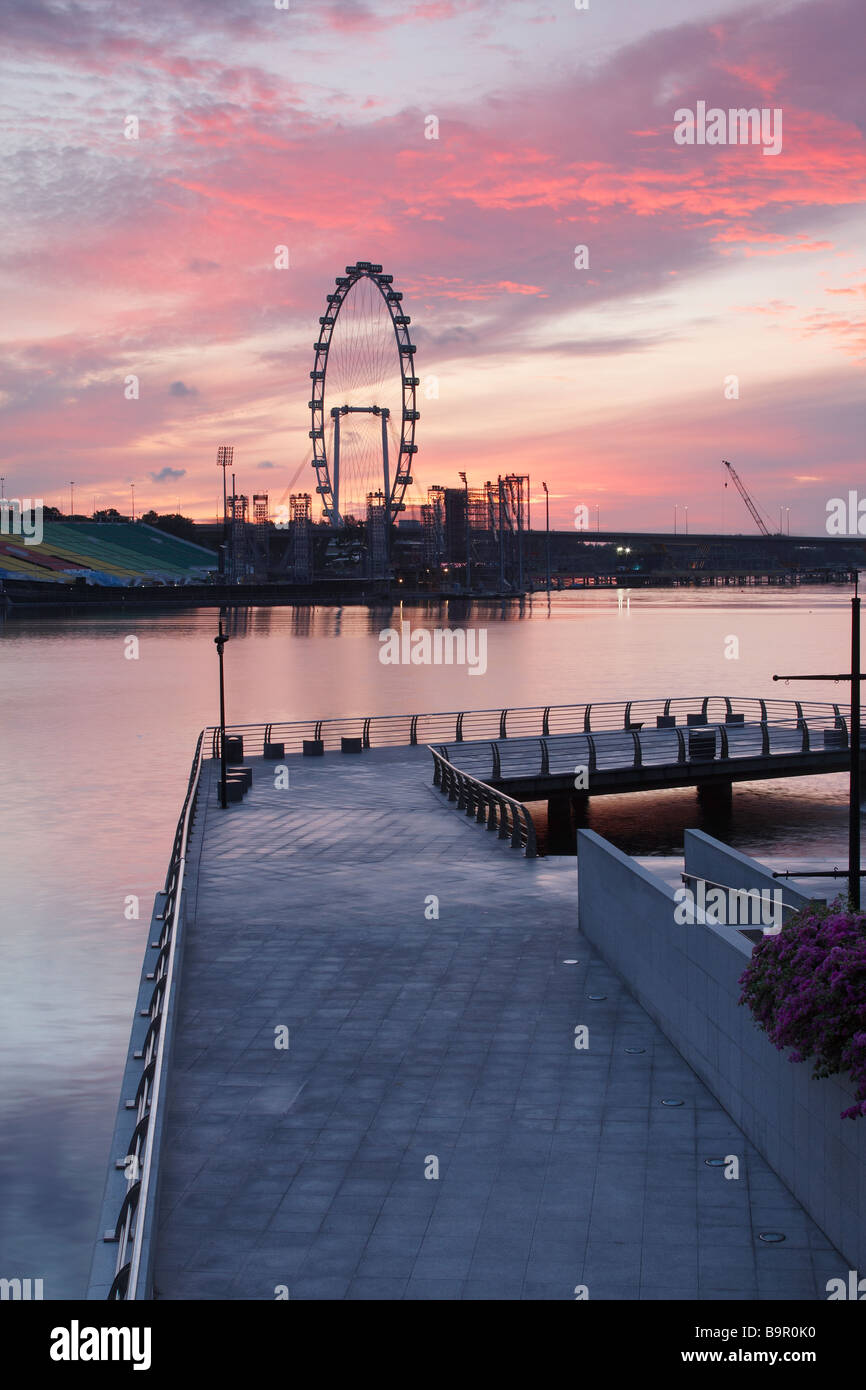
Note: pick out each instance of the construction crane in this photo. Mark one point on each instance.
(741, 488)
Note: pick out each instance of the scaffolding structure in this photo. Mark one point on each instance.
(483, 526)
(240, 566)
(433, 527)
(300, 541)
(377, 535)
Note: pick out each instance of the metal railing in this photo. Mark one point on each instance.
(689, 877)
(525, 721)
(138, 1205)
(510, 819)
(635, 747)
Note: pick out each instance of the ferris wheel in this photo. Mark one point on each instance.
(362, 402)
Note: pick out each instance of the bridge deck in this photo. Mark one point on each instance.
(621, 760)
(412, 1037)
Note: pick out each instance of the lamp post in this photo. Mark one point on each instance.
(855, 675)
(71, 500)
(132, 490)
(686, 510)
(547, 532)
(220, 641)
(675, 518)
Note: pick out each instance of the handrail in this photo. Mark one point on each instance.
(644, 743)
(139, 1197)
(526, 721)
(489, 806)
(730, 888)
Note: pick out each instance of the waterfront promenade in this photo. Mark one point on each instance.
(415, 1038)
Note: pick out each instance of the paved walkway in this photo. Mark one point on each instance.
(414, 1038)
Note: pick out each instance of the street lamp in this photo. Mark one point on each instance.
(855, 676)
(686, 510)
(220, 641)
(132, 489)
(547, 532)
(71, 501)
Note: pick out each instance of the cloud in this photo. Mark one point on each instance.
(168, 475)
(266, 463)
(180, 388)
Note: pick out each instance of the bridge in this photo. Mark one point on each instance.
(644, 745)
(352, 1070)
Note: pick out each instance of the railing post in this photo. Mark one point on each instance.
(805, 727)
(531, 838)
(586, 719)
(592, 759)
(458, 735)
(763, 711)
(413, 730)
(545, 757)
(723, 735)
(545, 723)
(681, 745)
(638, 756)
(705, 706)
(627, 716)
(496, 770)
(765, 737)
(502, 733)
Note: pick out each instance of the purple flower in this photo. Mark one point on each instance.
(806, 989)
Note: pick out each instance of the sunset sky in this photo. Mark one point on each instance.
(305, 126)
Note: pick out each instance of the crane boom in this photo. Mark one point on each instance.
(741, 488)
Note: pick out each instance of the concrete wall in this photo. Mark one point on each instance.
(710, 859)
(686, 977)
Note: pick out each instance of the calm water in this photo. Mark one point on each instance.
(96, 757)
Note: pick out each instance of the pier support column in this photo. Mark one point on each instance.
(716, 798)
(560, 825)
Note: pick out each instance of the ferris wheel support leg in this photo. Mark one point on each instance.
(336, 487)
(387, 475)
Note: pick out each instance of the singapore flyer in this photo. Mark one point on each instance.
(362, 403)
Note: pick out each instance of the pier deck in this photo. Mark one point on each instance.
(412, 1037)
